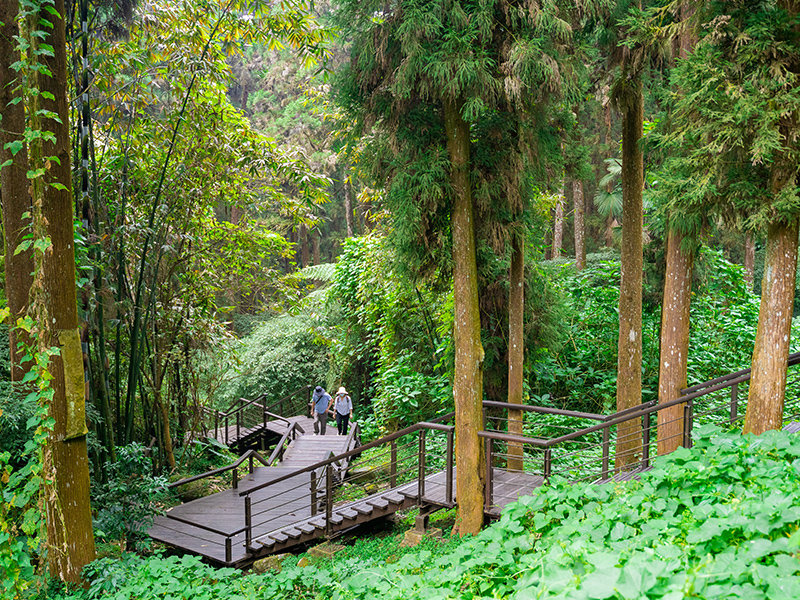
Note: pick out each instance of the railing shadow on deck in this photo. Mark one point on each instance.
(587, 453)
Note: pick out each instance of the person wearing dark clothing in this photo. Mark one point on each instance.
(320, 407)
(343, 409)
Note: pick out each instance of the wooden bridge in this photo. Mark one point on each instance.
(312, 487)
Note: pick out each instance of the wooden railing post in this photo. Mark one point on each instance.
(393, 464)
(228, 552)
(734, 402)
(548, 459)
(489, 489)
(250, 466)
(328, 499)
(646, 441)
(448, 490)
(606, 451)
(235, 478)
(687, 425)
(421, 473)
(313, 493)
(248, 523)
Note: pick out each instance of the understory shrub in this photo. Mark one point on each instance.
(281, 355)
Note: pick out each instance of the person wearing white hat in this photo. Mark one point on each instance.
(343, 409)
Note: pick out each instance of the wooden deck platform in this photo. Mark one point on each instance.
(201, 526)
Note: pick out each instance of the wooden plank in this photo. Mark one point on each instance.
(292, 533)
(378, 503)
(347, 513)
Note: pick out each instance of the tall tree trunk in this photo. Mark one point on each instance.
(629, 359)
(749, 259)
(674, 341)
(468, 381)
(69, 520)
(16, 199)
(771, 352)
(516, 348)
(672, 370)
(580, 225)
(558, 226)
(348, 206)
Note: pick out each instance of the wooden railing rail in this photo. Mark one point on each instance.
(247, 456)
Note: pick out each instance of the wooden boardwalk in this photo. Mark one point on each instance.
(202, 526)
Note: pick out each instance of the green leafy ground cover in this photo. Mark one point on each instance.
(717, 521)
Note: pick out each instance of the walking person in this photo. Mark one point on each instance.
(320, 407)
(343, 409)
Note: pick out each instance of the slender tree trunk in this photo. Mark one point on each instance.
(674, 341)
(468, 382)
(348, 206)
(629, 360)
(315, 235)
(749, 259)
(16, 199)
(558, 226)
(771, 352)
(304, 246)
(580, 225)
(69, 521)
(516, 348)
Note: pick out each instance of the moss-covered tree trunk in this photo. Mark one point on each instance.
(629, 359)
(558, 227)
(516, 347)
(771, 352)
(16, 199)
(580, 225)
(468, 381)
(69, 519)
(672, 372)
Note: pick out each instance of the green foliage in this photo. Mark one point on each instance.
(717, 521)
(733, 123)
(582, 374)
(127, 503)
(281, 355)
(21, 518)
(388, 329)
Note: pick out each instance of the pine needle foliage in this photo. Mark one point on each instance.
(504, 61)
(734, 139)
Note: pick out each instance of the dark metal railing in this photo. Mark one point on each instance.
(586, 452)
(402, 460)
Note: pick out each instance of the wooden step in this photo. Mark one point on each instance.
(306, 528)
(409, 493)
(381, 503)
(292, 533)
(394, 497)
(265, 541)
(279, 536)
(348, 513)
(319, 522)
(362, 508)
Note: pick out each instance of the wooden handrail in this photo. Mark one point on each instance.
(277, 451)
(359, 450)
(543, 410)
(224, 469)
